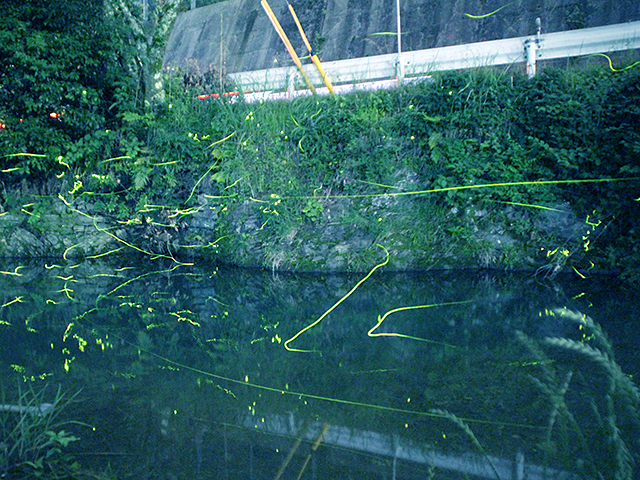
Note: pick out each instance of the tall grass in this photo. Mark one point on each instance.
(593, 405)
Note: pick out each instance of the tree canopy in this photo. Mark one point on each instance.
(72, 70)
(55, 81)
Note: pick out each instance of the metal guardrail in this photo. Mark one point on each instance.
(547, 46)
(395, 447)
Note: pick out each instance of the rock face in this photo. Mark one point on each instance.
(58, 233)
(238, 36)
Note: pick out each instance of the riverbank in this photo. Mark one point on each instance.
(477, 169)
(345, 234)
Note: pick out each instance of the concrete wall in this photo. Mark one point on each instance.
(237, 34)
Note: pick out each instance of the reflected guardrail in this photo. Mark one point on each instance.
(549, 46)
(398, 448)
(37, 410)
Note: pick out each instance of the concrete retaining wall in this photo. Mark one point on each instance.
(237, 34)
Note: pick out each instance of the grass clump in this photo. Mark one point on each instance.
(34, 437)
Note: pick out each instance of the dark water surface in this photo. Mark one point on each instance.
(183, 372)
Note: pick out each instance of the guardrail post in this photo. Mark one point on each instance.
(291, 87)
(531, 47)
(400, 70)
(519, 473)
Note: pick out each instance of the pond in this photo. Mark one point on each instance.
(153, 370)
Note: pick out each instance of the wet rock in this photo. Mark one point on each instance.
(561, 221)
(23, 243)
(336, 262)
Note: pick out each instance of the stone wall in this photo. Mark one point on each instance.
(58, 231)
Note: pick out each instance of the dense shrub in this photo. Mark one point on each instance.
(55, 84)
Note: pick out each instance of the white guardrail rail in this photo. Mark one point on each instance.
(395, 447)
(380, 71)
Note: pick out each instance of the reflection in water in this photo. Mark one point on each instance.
(183, 373)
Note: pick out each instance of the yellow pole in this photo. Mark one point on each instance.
(287, 43)
(315, 446)
(314, 57)
(288, 459)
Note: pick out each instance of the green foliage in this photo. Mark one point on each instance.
(34, 438)
(74, 89)
(53, 86)
(313, 209)
(146, 38)
(461, 129)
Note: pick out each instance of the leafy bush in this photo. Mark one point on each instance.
(54, 85)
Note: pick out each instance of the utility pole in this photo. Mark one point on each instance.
(400, 64)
